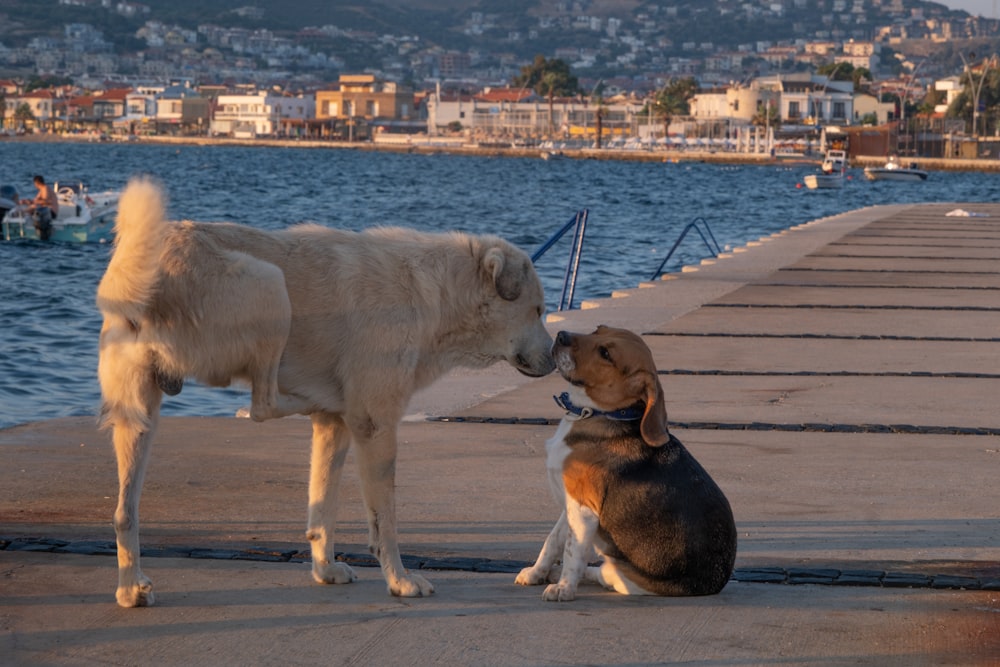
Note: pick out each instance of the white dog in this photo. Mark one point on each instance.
(341, 326)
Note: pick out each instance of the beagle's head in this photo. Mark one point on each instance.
(612, 369)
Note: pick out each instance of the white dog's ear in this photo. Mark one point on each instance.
(507, 275)
(654, 420)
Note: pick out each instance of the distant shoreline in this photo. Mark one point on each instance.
(718, 157)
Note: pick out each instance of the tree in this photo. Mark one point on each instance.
(842, 71)
(674, 100)
(599, 112)
(37, 82)
(862, 79)
(766, 116)
(548, 78)
(987, 84)
(845, 71)
(23, 114)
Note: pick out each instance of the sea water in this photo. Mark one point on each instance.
(49, 324)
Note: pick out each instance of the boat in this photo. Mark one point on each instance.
(892, 170)
(84, 217)
(831, 174)
(551, 151)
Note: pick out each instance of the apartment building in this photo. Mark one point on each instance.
(257, 114)
(361, 101)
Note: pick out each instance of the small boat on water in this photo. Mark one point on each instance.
(84, 217)
(831, 174)
(894, 171)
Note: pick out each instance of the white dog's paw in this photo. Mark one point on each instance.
(532, 576)
(138, 594)
(333, 573)
(411, 586)
(559, 593)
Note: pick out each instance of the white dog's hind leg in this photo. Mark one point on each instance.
(547, 557)
(131, 406)
(330, 443)
(583, 523)
(132, 447)
(377, 463)
(268, 336)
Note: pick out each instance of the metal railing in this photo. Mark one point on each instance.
(713, 247)
(579, 223)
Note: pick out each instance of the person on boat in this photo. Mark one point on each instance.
(44, 208)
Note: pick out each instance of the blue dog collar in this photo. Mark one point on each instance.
(623, 415)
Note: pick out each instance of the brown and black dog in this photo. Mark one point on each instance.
(629, 488)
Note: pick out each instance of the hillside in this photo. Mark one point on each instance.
(441, 22)
(610, 37)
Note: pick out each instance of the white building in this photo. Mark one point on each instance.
(260, 114)
(952, 87)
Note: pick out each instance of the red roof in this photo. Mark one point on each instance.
(114, 94)
(505, 94)
(81, 101)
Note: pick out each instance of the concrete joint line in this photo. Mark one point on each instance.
(909, 429)
(755, 575)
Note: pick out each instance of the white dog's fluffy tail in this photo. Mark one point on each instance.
(131, 277)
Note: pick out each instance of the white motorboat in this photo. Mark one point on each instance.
(84, 217)
(831, 174)
(894, 171)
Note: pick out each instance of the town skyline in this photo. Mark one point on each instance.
(642, 49)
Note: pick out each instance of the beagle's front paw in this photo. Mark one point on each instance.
(561, 592)
(532, 576)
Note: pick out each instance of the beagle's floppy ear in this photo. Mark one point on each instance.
(507, 274)
(654, 420)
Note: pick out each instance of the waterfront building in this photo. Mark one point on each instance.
(29, 111)
(180, 109)
(513, 114)
(262, 114)
(362, 102)
(811, 99)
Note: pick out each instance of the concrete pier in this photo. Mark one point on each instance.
(838, 380)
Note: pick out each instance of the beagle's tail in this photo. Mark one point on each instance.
(130, 279)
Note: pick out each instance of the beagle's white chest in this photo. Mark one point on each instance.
(556, 451)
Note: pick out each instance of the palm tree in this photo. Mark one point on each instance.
(547, 88)
(548, 78)
(599, 121)
(673, 100)
(766, 116)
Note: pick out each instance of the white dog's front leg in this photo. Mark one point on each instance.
(377, 463)
(547, 557)
(330, 443)
(582, 523)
